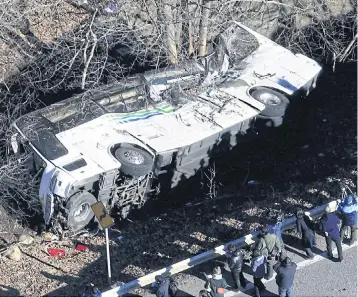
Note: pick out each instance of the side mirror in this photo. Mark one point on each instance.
(15, 143)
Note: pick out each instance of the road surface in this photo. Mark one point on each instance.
(317, 277)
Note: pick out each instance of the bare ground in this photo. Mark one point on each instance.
(305, 174)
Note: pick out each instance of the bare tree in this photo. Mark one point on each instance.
(168, 6)
(204, 27)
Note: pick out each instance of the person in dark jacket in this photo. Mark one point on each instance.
(276, 226)
(162, 286)
(203, 293)
(91, 291)
(216, 283)
(286, 271)
(236, 262)
(348, 209)
(305, 227)
(329, 225)
(258, 265)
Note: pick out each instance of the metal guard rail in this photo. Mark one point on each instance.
(206, 256)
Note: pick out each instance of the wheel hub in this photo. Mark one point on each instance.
(134, 157)
(81, 212)
(270, 99)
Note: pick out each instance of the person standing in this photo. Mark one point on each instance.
(276, 229)
(162, 285)
(258, 265)
(216, 284)
(348, 209)
(269, 244)
(236, 262)
(329, 225)
(286, 271)
(304, 226)
(91, 291)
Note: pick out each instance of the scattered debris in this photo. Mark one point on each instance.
(58, 253)
(49, 237)
(252, 182)
(163, 256)
(321, 155)
(26, 239)
(81, 247)
(13, 253)
(119, 238)
(305, 146)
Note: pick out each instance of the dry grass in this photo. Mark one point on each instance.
(10, 61)
(52, 20)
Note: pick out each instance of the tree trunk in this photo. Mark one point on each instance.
(204, 24)
(191, 8)
(168, 6)
(179, 26)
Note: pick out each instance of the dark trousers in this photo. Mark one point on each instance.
(285, 292)
(353, 236)
(283, 253)
(269, 269)
(338, 243)
(239, 278)
(309, 252)
(259, 286)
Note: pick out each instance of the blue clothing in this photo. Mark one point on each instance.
(258, 266)
(349, 208)
(285, 292)
(276, 229)
(329, 224)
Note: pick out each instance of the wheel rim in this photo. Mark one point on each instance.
(81, 212)
(133, 157)
(270, 99)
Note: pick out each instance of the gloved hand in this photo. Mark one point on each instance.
(308, 215)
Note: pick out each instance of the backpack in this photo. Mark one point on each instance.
(275, 229)
(216, 289)
(271, 254)
(173, 288)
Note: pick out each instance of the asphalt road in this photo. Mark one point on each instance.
(317, 277)
(323, 278)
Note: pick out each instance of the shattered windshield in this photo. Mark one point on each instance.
(238, 43)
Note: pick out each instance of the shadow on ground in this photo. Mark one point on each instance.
(8, 291)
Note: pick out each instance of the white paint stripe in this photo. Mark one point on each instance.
(300, 265)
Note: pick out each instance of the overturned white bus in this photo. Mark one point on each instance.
(109, 144)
